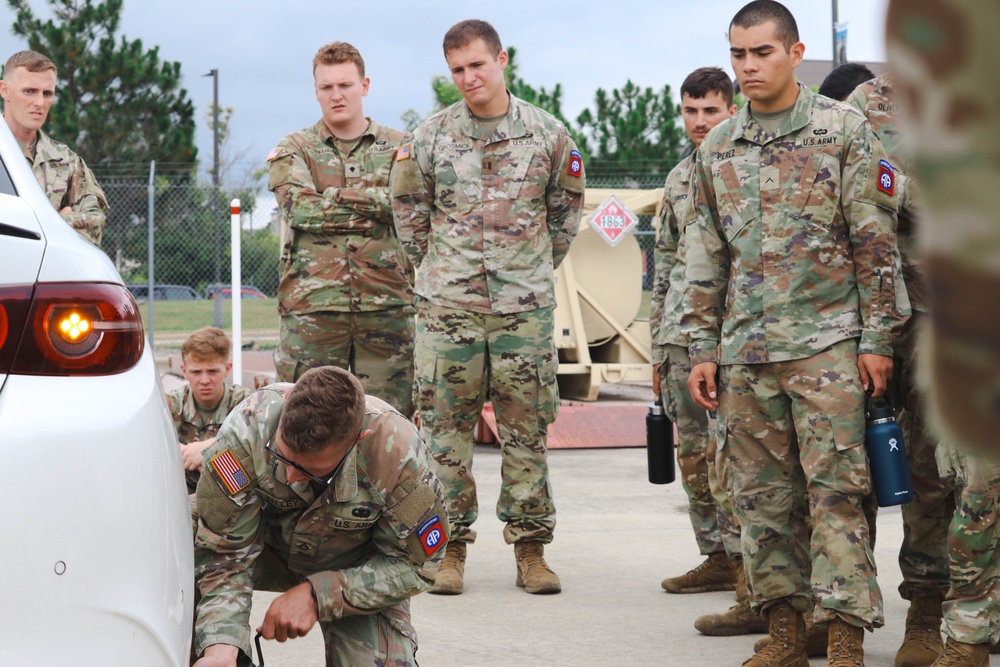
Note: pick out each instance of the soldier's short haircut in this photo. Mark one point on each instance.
(33, 61)
(762, 11)
(705, 80)
(465, 32)
(207, 344)
(335, 53)
(842, 81)
(326, 407)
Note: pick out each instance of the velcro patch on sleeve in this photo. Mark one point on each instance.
(403, 153)
(228, 470)
(275, 153)
(431, 535)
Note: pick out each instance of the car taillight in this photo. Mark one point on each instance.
(79, 329)
(14, 302)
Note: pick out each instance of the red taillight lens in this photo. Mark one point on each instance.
(14, 302)
(80, 329)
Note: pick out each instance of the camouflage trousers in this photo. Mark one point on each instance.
(794, 438)
(464, 357)
(923, 556)
(715, 528)
(376, 345)
(972, 608)
(384, 639)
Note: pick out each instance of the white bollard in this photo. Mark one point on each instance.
(237, 293)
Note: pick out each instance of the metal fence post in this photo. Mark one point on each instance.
(234, 211)
(150, 210)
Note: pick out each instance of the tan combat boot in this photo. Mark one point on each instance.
(533, 574)
(922, 643)
(816, 639)
(449, 580)
(787, 630)
(717, 573)
(957, 654)
(845, 645)
(739, 620)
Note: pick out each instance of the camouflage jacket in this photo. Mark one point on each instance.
(793, 244)
(668, 255)
(368, 543)
(67, 181)
(192, 427)
(486, 217)
(876, 101)
(341, 252)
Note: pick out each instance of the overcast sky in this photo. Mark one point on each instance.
(263, 49)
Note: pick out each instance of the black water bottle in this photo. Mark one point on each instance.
(659, 445)
(887, 455)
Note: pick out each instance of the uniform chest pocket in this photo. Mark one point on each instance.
(736, 210)
(523, 174)
(458, 177)
(815, 189)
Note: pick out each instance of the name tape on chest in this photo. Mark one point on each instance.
(229, 471)
(886, 177)
(575, 163)
(431, 535)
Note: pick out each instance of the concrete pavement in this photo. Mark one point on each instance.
(617, 537)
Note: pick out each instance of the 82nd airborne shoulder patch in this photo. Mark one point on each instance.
(229, 471)
(886, 177)
(431, 535)
(575, 163)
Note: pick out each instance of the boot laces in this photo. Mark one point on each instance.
(844, 644)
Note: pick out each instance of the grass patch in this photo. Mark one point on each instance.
(186, 316)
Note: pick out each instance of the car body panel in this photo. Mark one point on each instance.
(95, 486)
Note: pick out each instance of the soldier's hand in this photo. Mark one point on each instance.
(291, 615)
(218, 655)
(876, 370)
(656, 380)
(65, 210)
(191, 454)
(701, 384)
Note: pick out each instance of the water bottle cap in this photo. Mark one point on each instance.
(656, 408)
(882, 413)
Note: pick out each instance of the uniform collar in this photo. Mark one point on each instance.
(747, 128)
(327, 136)
(511, 125)
(191, 414)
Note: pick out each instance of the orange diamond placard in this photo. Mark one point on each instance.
(612, 220)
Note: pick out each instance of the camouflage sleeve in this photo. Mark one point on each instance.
(859, 99)
(412, 185)
(707, 271)
(564, 197)
(869, 199)
(373, 203)
(226, 545)
(410, 537)
(664, 258)
(301, 205)
(87, 201)
(175, 401)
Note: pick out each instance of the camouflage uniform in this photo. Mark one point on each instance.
(792, 265)
(972, 609)
(345, 297)
(942, 59)
(486, 217)
(67, 181)
(923, 557)
(365, 544)
(715, 528)
(192, 426)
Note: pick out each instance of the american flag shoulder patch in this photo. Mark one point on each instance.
(229, 471)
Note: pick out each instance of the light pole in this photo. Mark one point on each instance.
(217, 294)
(835, 21)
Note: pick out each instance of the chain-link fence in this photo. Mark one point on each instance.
(192, 251)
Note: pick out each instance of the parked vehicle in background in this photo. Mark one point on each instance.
(96, 562)
(246, 292)
(163, 292)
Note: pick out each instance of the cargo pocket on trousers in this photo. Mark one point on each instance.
(425, 380)
(547, 403)
(848, 432)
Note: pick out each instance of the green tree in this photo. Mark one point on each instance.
(633, 132)
(118, 105)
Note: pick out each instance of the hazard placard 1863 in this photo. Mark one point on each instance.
(612, 220)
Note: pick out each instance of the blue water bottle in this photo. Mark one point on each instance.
(887, 455)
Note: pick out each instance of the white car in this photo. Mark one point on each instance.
(96, 561)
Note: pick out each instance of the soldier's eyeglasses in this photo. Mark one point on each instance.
(319, 480)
